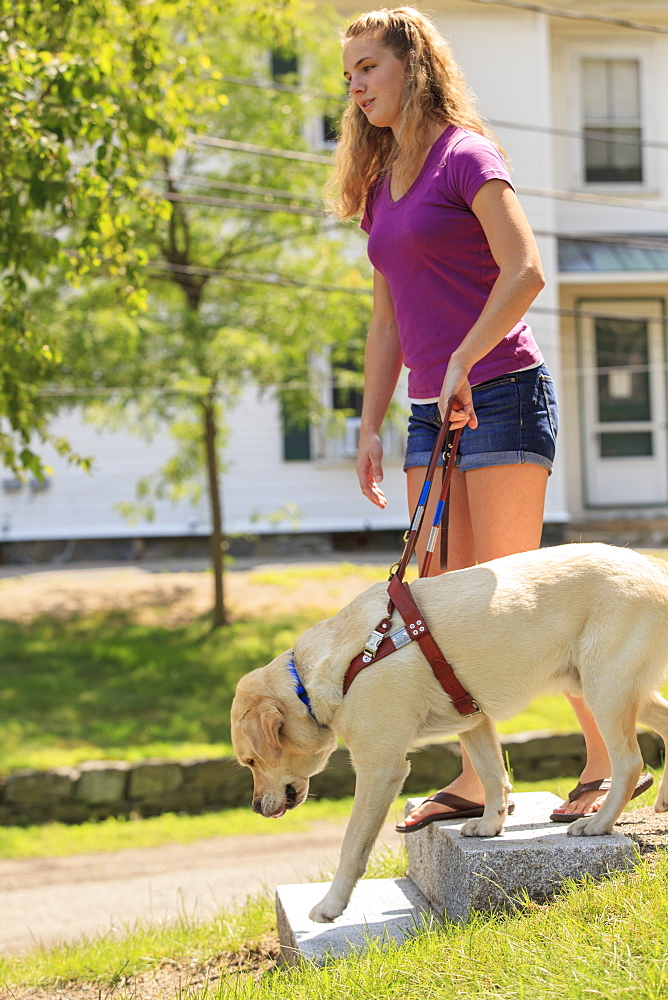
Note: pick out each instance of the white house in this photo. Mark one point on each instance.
(577, 103)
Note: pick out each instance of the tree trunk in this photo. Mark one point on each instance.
(217, 536)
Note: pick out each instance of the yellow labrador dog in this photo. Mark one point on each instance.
(589, 618)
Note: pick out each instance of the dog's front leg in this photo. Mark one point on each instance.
(483, 747)
(376, 787)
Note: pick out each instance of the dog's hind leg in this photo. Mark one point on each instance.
(654, 713)
(377, 785)
(616, 720)
(483, 747)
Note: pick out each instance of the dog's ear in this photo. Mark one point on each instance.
(265, 724)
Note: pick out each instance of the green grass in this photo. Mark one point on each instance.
(597, 940)
(59, 839)
(292, 577)
(104, 687)
(602, 940)
(107, 959)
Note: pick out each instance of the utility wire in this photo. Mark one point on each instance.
(611, 201)
(248, 206)
(256, 277)
(199, 180)
(332, 382)
(284, 281)
(590, 197)
(581, 135)
(494, 122)
(575, 15)
(249, 147)
(639, 242)
(594, 199)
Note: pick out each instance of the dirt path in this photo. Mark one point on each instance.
(56, 900)
(172, 593)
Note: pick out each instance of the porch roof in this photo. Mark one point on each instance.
(610, 252)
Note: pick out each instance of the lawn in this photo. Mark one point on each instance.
(596, 941)
(105, 686)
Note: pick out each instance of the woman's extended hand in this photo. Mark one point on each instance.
(370, 469)
(456, 383)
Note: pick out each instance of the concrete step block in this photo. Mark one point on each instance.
(380, 910)
(461, 875)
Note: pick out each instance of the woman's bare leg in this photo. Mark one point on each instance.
(493, 512)
(597, 765)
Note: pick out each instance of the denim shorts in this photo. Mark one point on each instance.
(517, 423)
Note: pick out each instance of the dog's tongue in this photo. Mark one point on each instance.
(282, 811)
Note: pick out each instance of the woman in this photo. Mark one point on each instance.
(455, 268)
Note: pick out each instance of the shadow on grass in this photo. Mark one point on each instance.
(106, 682)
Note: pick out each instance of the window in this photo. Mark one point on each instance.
(330, 129)
(624, 390)
(612, 121)
(296, 440)
(284, 63)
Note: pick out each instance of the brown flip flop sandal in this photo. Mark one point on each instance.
(459, 809)
(644, 782)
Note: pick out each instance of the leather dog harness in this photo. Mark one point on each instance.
(381, 643)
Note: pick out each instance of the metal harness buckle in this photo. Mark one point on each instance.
(372, 644)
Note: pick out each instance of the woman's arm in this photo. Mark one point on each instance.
(520, 279)
(382, 364)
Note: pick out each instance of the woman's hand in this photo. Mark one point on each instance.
(370, 469)
(456, 383)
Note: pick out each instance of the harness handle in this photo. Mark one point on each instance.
(381, 643)
(446, 444)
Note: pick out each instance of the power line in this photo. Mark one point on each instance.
(224, 185)
(287, 88)
(590, 197)
(256, 277)
(581, 135)
(249, 206)
(619, 22)
(612, 201)
(249, 147)
(284, 281)
(331, 382)
(638, 242)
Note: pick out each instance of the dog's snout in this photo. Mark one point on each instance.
(290, 796)
(257, 805)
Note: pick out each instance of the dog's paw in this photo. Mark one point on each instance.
(325, 912)
(589, 826)
(661, 805)
(482, 828)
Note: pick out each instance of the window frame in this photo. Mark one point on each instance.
(611, 125)
(569, 110)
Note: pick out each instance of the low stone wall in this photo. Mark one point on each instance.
(117, 788)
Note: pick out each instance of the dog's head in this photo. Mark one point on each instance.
(274, 735)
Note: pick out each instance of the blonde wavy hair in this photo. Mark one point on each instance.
(435, 92)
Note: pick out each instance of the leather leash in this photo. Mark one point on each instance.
(381, 643)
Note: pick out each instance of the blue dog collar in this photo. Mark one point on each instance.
(300, 690)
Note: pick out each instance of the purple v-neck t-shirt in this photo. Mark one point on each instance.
(433, 253)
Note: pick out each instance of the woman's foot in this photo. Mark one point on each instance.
(588, 796)
(464, 788)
